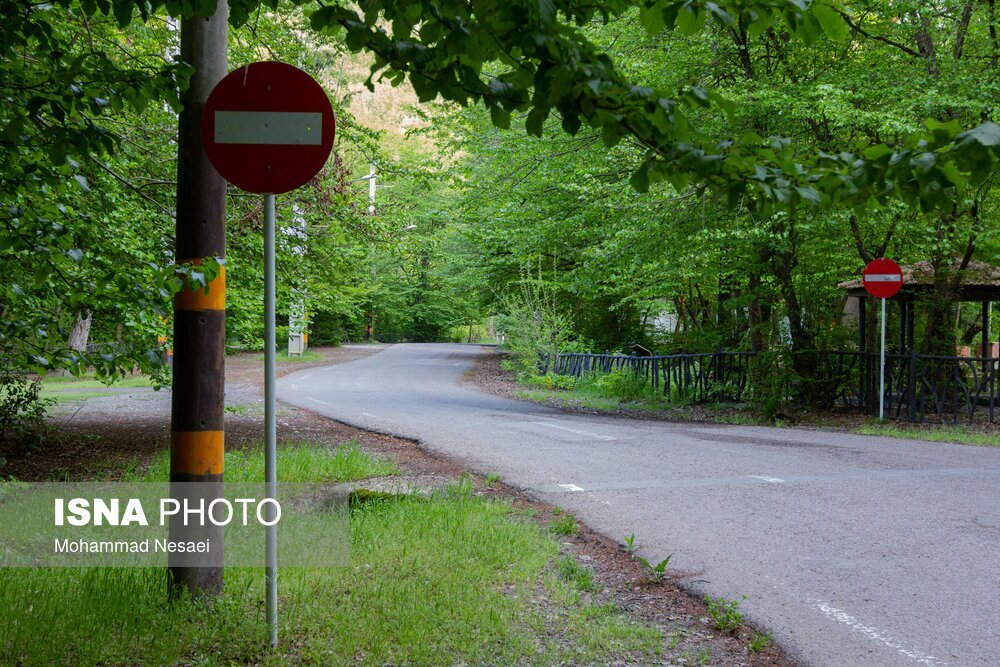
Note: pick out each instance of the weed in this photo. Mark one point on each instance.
(493, 479)
(630, 543)
(725, 613)
(656, 572)
(759, 641)
(576, 574)
(565, 525)
(240, 409)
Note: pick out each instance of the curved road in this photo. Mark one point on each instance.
(854, 550)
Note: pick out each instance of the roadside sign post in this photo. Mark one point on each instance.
(882, 279)
(268, 128)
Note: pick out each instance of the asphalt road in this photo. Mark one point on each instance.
(854, 550)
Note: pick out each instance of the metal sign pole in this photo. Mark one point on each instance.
(270, 424)
(881, 374)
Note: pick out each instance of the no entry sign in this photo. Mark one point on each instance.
(882, 278)
(267, 127)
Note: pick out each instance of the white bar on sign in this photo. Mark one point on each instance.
(883, 278)
(269, 127)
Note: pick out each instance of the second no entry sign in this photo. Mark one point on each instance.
(267, 127)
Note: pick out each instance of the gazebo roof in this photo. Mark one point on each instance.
(980, 282)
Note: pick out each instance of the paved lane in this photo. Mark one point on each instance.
(855, 550)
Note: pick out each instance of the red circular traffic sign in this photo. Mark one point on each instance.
(267, 127)
(882, 278)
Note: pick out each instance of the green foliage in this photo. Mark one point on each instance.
(533, 324)
(656, 572)
(411, 592)
(551, 381)
(759, 641)
(297, 462)
(22, 410)
(576, 574)
(725, 613)
(620, 383)
(564, 524)
(693, 173)
(536, 59)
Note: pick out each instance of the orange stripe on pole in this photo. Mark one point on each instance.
(197, 452)
(198, 299)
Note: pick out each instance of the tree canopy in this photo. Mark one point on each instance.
(679, 154)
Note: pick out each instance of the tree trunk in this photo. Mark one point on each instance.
(81, 331)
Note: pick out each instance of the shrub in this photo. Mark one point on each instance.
(22, 409)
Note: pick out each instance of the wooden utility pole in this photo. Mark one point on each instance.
(197, 434)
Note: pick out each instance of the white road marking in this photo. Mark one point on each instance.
(772, 480)
(316, 400)
(873, 633)
(573, 430)
(571, 487)
(303, 128)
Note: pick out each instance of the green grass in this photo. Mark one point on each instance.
(67, 388)
(298, 462)
(564, 524)
(445, 580)
(91, 382)
(71, 396)
(571, 397)
(577, 575)
(956, 434)
(282, 357)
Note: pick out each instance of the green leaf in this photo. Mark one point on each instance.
(536, 120)
(652, 19)
(877, 151)
(987, 134)
(640, 179)
(833, 23)
(500, 117)
(82, 182)
(571, 123)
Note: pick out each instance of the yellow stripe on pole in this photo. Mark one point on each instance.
(197, 452)
(199, 299)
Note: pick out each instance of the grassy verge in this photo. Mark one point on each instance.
(65, 388)
(956, 434)
(454, 578)
(622, 392)
(283, 357)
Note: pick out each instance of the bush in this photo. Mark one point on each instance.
(621, 383)
(533, 324)
(551, 381)
(22, 409)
